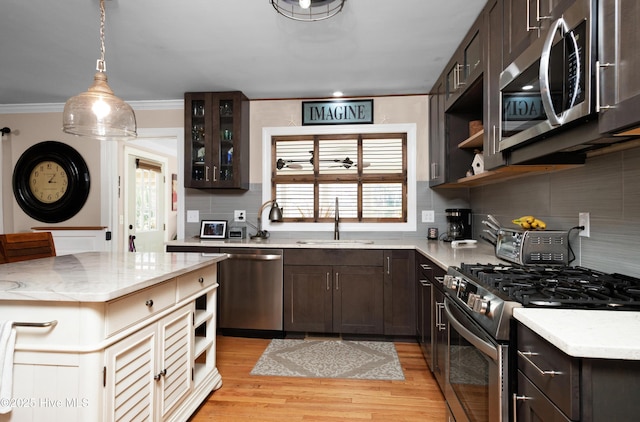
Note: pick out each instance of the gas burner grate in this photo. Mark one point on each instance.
(566, 287)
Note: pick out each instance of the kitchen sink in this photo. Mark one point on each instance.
(334, 242)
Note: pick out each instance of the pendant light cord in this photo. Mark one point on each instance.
(101, 66)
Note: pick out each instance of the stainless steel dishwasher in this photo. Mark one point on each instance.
(251, 289)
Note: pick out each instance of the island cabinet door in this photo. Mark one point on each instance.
(358, 300)
(129, 371)
(307, 298)
(148, 374)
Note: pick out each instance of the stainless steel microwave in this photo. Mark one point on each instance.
(550, 84)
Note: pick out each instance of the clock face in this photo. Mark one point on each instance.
(51, 182)
(48, 182)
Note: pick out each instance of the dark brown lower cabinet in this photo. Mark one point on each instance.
(333, 291)
(333, 299)
(399, 292)
(554, 387)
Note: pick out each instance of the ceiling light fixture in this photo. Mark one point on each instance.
(98, 113)
(308, 10)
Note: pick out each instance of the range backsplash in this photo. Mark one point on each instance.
(607, 187)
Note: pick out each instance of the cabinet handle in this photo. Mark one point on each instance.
(425, 266)
(388, 265)
(201, 280)
(160, 374)
(439, 324)
(206, 173)
(600, 66)
(457, 76)
(434, 170)
(328, 281)
(149, 303)
(525, 356)
(337, 281)
(215, 171)
(538, 17)
(516, 397)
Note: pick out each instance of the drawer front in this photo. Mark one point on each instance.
(133, 308)
(197, 281)
(333, 257)
(535, 406)
(563, 386)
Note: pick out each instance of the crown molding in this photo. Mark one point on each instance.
(59, 107)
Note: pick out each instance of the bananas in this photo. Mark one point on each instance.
(529, 222)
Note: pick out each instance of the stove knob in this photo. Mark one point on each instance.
(462, 284)
(471, 300)
(481, 305)
(451, 282)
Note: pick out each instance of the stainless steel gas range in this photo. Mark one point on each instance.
(478, 307)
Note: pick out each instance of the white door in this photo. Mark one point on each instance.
(145, 208)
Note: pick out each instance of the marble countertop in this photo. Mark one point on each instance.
(440, 252)
(585, 333)
(94, 276)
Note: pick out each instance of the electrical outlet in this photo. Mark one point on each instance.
(193, 216)
(239, 215)
(583, 220)
(428, 216)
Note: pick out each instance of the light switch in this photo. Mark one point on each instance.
(428, 216)
(193, 216)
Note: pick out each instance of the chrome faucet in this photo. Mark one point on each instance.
(336, 231)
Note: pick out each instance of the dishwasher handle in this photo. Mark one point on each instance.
(254, 257)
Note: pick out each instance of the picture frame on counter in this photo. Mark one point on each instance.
(213, 229)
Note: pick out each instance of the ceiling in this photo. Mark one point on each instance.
(160, 49)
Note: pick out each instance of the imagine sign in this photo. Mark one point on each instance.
(343, 112)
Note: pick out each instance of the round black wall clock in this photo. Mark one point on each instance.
(51, 182)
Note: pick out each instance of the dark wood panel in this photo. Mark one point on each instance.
(399, 293)
(358, 300)
(308, 298)
(332, 257)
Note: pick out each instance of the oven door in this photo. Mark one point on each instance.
(477, 370)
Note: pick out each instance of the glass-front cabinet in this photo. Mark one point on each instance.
(216, 140)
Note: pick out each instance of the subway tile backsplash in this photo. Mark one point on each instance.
(608, 187)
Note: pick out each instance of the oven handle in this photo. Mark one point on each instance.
(486, 348)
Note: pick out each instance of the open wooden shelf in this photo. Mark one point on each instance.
(505, 173)
(473, 141)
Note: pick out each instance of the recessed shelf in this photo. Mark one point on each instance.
(473, 141)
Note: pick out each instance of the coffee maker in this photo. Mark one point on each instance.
(458, 224)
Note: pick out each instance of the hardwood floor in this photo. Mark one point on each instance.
(245, 397)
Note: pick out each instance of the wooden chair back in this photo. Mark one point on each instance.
(16, 247)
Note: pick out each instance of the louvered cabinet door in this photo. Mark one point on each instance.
(176, 358)
(129, 377)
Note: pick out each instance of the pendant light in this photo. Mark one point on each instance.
(98, 113)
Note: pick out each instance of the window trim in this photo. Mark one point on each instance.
(409, 128)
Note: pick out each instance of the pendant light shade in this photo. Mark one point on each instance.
(98, 113)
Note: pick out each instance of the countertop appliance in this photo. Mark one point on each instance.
(551, 83)
(251, 290)
(458, 224)
(479, 304)
(524, 247)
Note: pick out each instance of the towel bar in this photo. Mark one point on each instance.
(35, 324)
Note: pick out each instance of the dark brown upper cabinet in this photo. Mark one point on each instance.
(216, 149)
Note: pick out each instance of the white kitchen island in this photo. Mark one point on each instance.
(115, 336)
